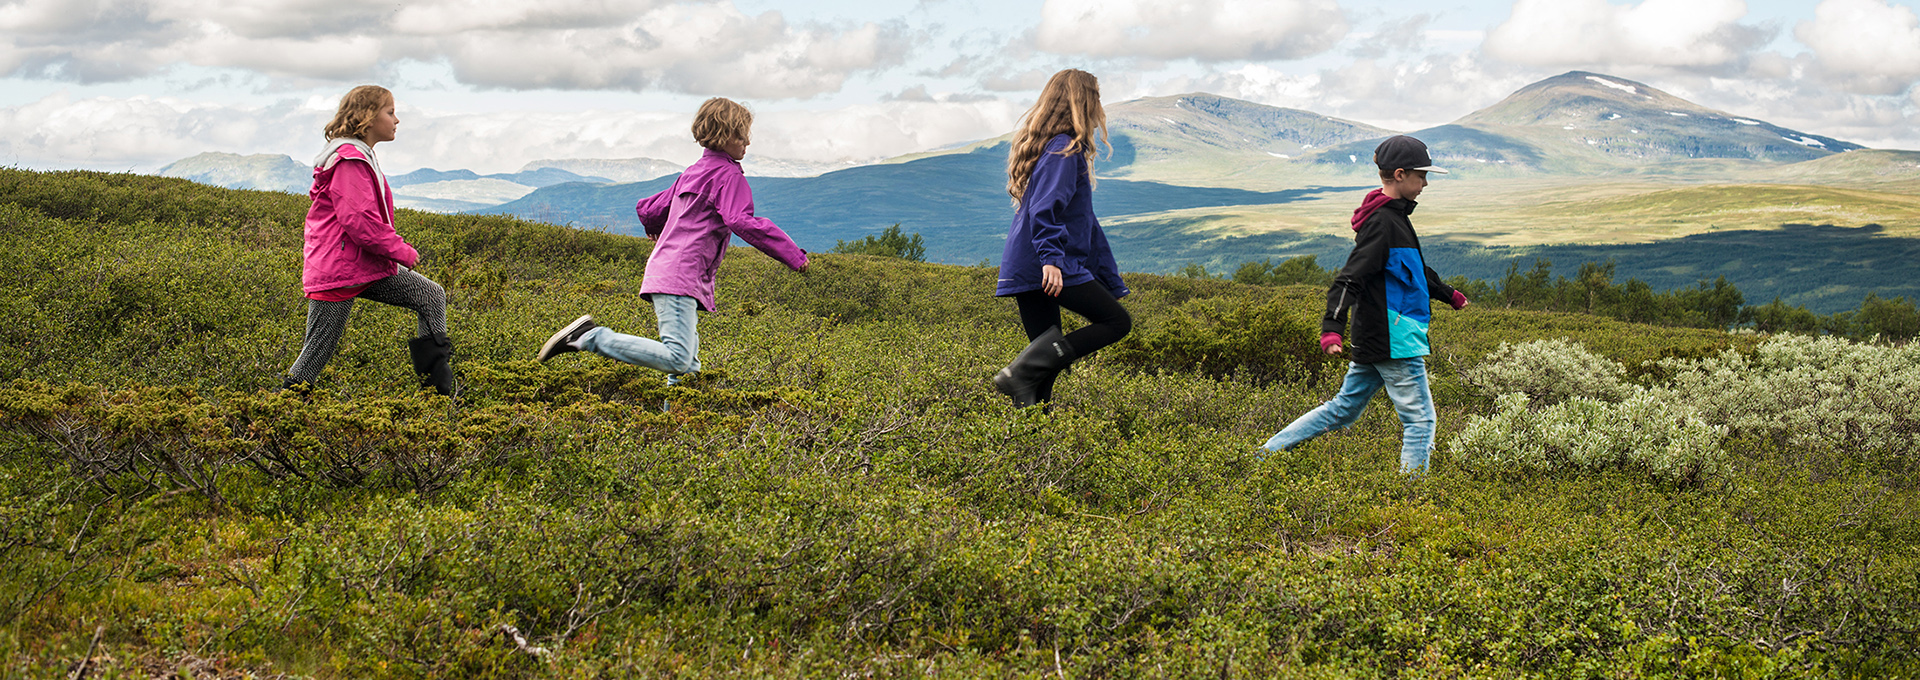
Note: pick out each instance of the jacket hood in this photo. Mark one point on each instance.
(336, 150)
(1372, 202)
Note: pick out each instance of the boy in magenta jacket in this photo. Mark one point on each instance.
(691, 223)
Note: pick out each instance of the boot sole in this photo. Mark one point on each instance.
(555, 344)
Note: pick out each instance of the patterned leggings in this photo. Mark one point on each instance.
(327, 321)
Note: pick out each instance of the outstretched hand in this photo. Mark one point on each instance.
(1050, 280)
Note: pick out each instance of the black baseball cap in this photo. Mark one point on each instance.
(1401, 152)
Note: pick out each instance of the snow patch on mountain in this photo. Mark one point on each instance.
(1629, 89)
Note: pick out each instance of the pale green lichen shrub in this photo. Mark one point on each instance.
(1642, 432)
(1549, 372)
(1823, 392)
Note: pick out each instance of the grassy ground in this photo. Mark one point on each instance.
(842, 494)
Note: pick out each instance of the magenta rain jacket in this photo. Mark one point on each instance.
(350, 238)
(691, 223)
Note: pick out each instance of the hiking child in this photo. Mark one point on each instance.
(691, 223)
(1385, 286)
(352, 251)
(1056, 256)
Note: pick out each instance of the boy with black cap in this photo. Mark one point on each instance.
(1386, 287)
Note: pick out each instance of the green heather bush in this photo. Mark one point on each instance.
(1263, 343)
(1549, 372)
(1641, 433)
(841, 492)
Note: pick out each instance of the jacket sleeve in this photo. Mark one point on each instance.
(653, 210)
(1049, 191)
(1437, 289)
(361, 216)
(1369, 256)
(733, 199)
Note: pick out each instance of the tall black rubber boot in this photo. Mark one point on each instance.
(1037, 365)
(430, 356)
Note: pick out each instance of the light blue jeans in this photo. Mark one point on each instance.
(676, 352)
(1406, 383)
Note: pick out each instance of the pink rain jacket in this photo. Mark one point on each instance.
(350, 239)
(693, 220)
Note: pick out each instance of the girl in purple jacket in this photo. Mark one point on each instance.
(691, 223)
(1056, 256)
(353, 252)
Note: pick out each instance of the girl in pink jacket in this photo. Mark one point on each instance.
(352, 251)
(691, 223)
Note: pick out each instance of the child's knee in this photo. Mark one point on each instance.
(1122, 323)
(682, 362)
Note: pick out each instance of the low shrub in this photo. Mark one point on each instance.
(1813, 393)
(1263, 343)
(1549, 372)
(1643, 433)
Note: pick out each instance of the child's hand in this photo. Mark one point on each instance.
(1050, 280)
(1459, 300)
(1330, 343)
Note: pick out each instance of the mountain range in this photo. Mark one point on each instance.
(1207, 179)
(452, 191)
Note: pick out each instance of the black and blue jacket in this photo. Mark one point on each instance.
(1386, 288)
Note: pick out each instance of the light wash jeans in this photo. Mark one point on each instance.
(1406, 383)
(677, 351)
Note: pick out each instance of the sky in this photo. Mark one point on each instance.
(489, 85)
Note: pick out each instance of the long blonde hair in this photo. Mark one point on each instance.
(1070, 104)
(357, 111)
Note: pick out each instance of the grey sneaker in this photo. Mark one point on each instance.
(562, 342)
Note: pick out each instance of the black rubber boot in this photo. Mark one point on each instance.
(1036, 366)
(430, 355)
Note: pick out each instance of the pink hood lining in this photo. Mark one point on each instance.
(1373, 201)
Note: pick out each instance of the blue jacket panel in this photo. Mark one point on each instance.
(1055, 225)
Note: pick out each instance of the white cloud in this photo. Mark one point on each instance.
(143, 133)
(1205, 30)
(1687, 34)
(1869, 46)
(699, 48)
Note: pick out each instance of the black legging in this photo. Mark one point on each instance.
(1107, 321)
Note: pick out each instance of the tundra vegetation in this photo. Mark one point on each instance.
(843, 494)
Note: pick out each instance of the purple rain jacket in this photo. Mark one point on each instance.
(1055, 225)
(691, 223)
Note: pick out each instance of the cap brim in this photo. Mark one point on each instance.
(1432, 168)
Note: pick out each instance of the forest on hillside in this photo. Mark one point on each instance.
(842, 493)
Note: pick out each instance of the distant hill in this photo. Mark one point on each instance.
(532, 179)
(614, 169)
(957, 201)
(1205, 139)
(270, 172)
(1582, 123)
(1197, 134)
